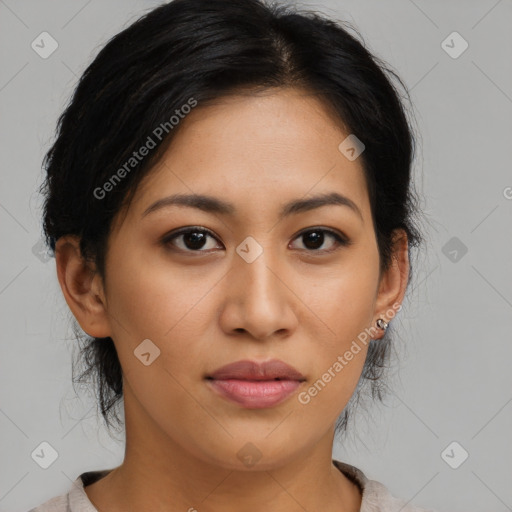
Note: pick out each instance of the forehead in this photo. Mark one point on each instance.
(258, 150)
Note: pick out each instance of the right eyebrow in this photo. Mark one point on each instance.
(214, 204)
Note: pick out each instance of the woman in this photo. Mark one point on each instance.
(230, 204)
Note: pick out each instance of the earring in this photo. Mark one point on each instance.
(381, 324)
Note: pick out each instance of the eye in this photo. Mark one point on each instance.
(193, 239)
(314, 238)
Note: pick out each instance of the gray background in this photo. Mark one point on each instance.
(454, 379)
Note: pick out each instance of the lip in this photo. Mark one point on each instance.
(255, 385)
(252, 370)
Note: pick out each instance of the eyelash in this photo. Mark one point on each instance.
(340, 240)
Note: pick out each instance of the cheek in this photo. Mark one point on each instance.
(336, 368)
(156, 304)
(152, 300)
(147, 295)
(342, 300)
(344, 307)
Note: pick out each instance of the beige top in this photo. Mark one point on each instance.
(375, 496)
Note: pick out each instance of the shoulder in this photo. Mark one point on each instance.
(57, 504)
(76, 499)
(376, 497)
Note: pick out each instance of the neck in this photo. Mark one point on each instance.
(159, 474)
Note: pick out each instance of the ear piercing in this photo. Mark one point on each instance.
(381, 324)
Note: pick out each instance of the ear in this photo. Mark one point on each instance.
(393, 281)
(82, 287)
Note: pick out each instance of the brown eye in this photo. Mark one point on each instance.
(195, 240)
(314, 239)
(192, 239)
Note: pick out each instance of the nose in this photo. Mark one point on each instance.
(259, 300)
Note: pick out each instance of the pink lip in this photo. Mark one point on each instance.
(255, 394)
(254, 385)
(251, 370)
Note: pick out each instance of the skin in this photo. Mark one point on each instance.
(209, 309)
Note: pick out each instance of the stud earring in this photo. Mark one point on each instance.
(381, 324)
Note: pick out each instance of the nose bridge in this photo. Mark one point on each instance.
(259, 288)
(257, 300)
(257, 267)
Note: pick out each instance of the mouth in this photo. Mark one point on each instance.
(255, 385)
(254, 394)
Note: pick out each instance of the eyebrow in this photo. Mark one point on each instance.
(211, 204)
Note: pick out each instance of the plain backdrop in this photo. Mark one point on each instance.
(452, 393)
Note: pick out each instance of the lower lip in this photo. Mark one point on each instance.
(255, 394)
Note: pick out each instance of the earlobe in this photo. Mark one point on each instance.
(81, 287)
(393, 283)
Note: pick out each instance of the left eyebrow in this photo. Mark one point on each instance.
(211, 204)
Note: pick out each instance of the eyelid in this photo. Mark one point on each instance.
(166, 239)
(341, 239)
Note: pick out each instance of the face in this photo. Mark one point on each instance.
(245, 282)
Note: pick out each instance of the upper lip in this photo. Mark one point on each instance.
(252, 370)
